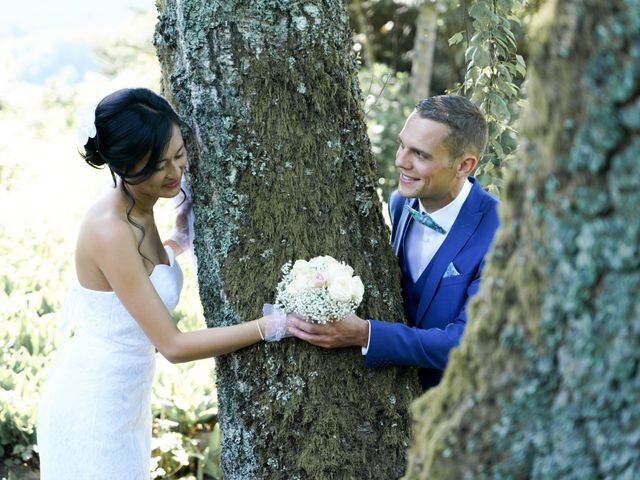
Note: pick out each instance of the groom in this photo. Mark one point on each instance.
(443, 224)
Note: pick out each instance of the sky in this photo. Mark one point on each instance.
(62, 16)
(45, 38)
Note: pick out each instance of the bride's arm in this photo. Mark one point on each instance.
(123, 268)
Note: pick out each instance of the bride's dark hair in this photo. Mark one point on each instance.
(131, 124)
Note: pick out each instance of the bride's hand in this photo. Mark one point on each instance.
(181, 237)
(276, 326)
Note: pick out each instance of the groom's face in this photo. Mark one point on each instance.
(426, 169)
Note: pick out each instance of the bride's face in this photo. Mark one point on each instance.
(165, 181)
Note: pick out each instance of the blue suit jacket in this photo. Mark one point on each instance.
(439, 316)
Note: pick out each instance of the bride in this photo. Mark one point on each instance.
(94, 421)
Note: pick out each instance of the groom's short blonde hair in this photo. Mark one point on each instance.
(467, 125)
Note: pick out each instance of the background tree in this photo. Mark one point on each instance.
(545, 383)
(424, 46)
(281, 170)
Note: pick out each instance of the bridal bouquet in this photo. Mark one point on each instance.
(321, 290)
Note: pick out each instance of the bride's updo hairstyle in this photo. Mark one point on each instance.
(131, 124)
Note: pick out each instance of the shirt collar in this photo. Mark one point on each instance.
(446, 216)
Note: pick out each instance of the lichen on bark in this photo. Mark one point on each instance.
(545, 382)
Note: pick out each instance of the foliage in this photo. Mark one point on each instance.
(387, 104)
(492, 68)
(28, 298)
(186, 438)
(385, 30)
(384, 33)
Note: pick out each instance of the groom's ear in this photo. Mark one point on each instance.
(467, 165)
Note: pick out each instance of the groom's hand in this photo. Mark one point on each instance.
(352, 331)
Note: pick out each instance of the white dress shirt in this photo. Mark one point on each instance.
(422, 243)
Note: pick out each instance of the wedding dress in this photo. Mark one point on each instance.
(94, 420)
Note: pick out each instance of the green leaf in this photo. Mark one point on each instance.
(503, 71)
(496, 146)
(479, 37)
(521, 66)
(469, 53)
(500, 47)
(477, 97)
(515, 19)
(498, 107)
(487, 72)
(481, 58)
(481, 13)
(457, 38)
(506, 87)
(493, 189)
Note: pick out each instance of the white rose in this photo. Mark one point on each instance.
(322, 262)
(319, 280)
(339, 289)
(356, 289)
(301, 267)
(338, 270)
(297, 285)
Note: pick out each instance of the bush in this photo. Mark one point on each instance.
(28, 296)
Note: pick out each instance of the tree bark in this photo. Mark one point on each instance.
(280, 169)
(545, 382)
(424, 45)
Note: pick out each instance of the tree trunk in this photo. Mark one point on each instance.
(280, 169)
(424, 45)
(545, 384)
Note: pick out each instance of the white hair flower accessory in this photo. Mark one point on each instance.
(86, 120)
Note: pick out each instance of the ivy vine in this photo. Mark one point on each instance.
(493, 64)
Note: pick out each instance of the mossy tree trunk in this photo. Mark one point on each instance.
(545, 384)
(280, 169)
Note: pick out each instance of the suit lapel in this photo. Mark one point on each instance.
(403, 223)
(464, 226)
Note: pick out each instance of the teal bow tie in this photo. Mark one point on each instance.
(424, 219)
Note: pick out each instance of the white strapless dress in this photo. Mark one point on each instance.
(94, 420)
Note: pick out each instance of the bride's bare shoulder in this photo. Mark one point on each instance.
(105, 222)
